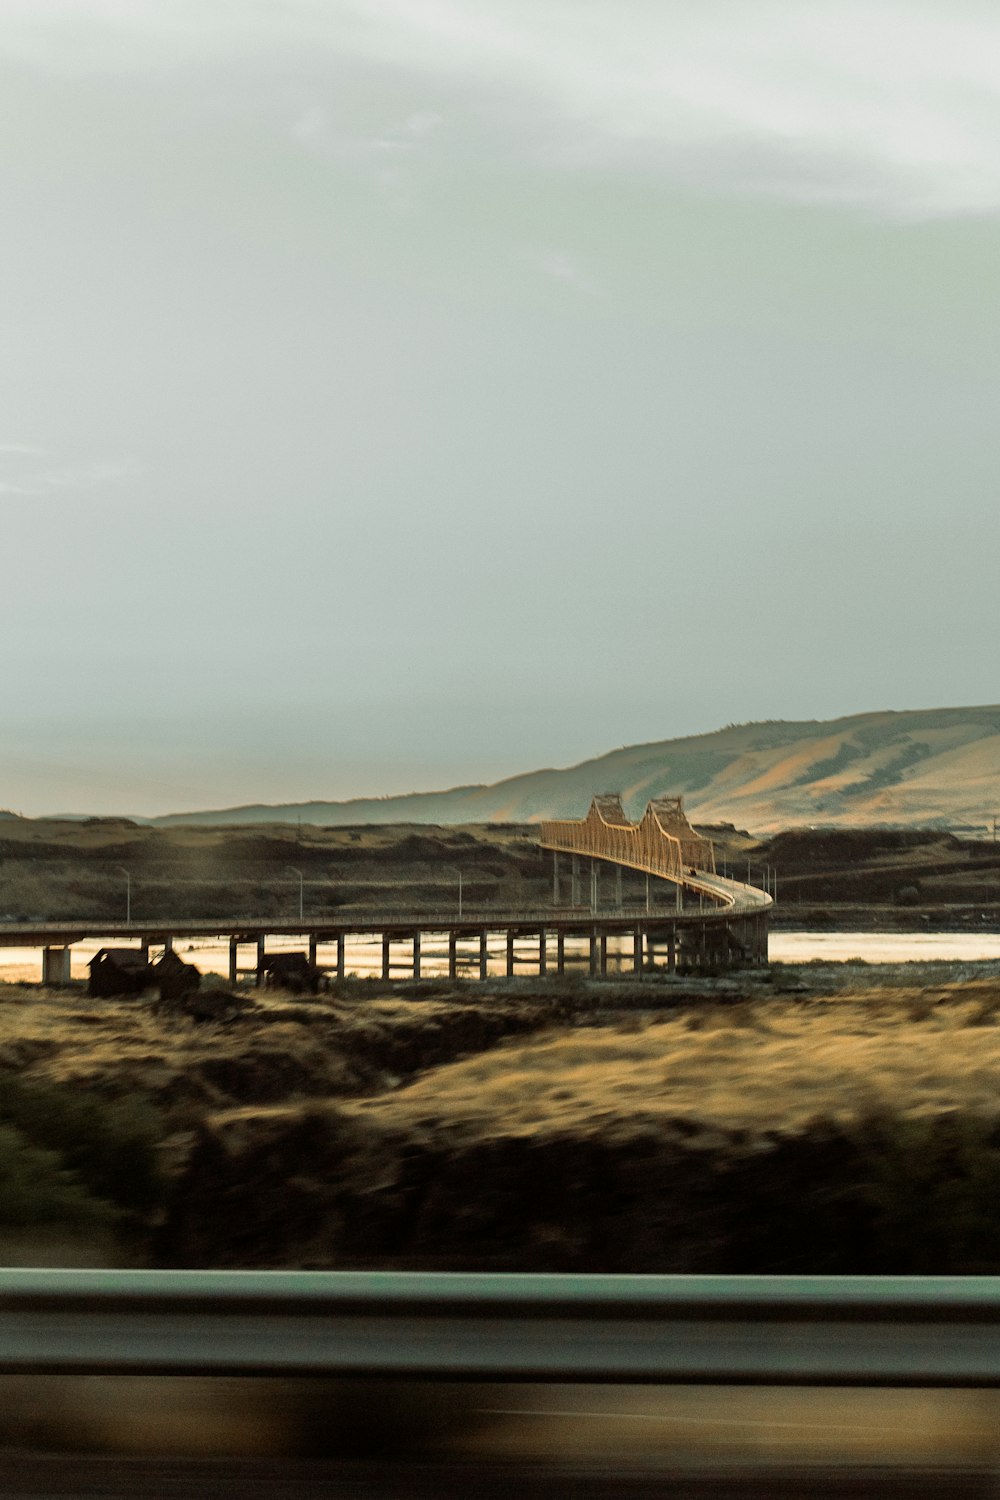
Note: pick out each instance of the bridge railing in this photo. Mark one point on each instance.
(648, 846)
(638, 846)
(674, 852)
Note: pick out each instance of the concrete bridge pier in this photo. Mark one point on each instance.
(234, 950)
(341, 955)
(416, 954)
(483, 955)
(313, 943)
(56, 965)
(510, 952)
(386, 955)
(654, 948)
(261, 960)
(542, 955)
(637, 951)
(453, 954)
(749, 938)
(594, 954)
(560, 952)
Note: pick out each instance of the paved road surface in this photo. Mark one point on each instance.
(59, 1478)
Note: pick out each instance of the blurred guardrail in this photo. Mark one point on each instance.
(754, 1330)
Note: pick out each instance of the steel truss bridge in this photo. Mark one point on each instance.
(664, 846)
(709, 923)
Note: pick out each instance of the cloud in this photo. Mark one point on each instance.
(394, 159)
(33, 481)
(562, 267)
(888, 105)
(313, 126)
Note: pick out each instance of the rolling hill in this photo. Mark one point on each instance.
(925, 768)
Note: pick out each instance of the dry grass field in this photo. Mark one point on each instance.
(849, 1126)
(763, 1064)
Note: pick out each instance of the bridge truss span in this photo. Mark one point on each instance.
(662, 844)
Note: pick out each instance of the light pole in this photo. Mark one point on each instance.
(128, 893)
(455, 871)
(301, 889)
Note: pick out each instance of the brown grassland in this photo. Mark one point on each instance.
(819, 1122)
(756, 1064)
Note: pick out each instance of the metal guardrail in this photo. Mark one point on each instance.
(750, 1330)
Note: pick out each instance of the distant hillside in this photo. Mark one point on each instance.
(927, 768)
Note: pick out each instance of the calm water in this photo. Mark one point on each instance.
(883, 947)
(364, 955)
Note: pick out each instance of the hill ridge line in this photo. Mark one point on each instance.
(936, 767)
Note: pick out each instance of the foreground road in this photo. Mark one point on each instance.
(71, 1478)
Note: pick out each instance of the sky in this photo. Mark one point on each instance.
(397, 394)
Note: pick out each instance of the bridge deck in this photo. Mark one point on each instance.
(248, 928)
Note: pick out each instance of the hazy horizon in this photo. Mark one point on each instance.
(400, 394)
(883, 754)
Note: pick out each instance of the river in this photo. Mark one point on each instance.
(364, 955)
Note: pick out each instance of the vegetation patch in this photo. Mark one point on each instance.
(76, 1162)
(799, 1125)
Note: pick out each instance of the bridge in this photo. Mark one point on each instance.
(663, 846)
(726, 927)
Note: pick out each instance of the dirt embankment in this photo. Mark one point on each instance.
(279, 1049)
(60, 869)
(907, 871)
(102, 1101)
(856, 1133)
(816, 1123)
(316, 1188)
(859, 877)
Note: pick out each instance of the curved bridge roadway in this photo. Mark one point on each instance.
(662, 844)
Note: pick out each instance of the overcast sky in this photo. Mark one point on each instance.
(400, 393)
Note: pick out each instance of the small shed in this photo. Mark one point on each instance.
(119, 971)
(174, 977)
(293, 972)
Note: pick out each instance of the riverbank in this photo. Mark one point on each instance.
(860, 879)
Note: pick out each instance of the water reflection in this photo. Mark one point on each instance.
(364, 953)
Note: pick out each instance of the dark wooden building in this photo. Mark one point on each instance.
(292, 972)
(120, 971)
